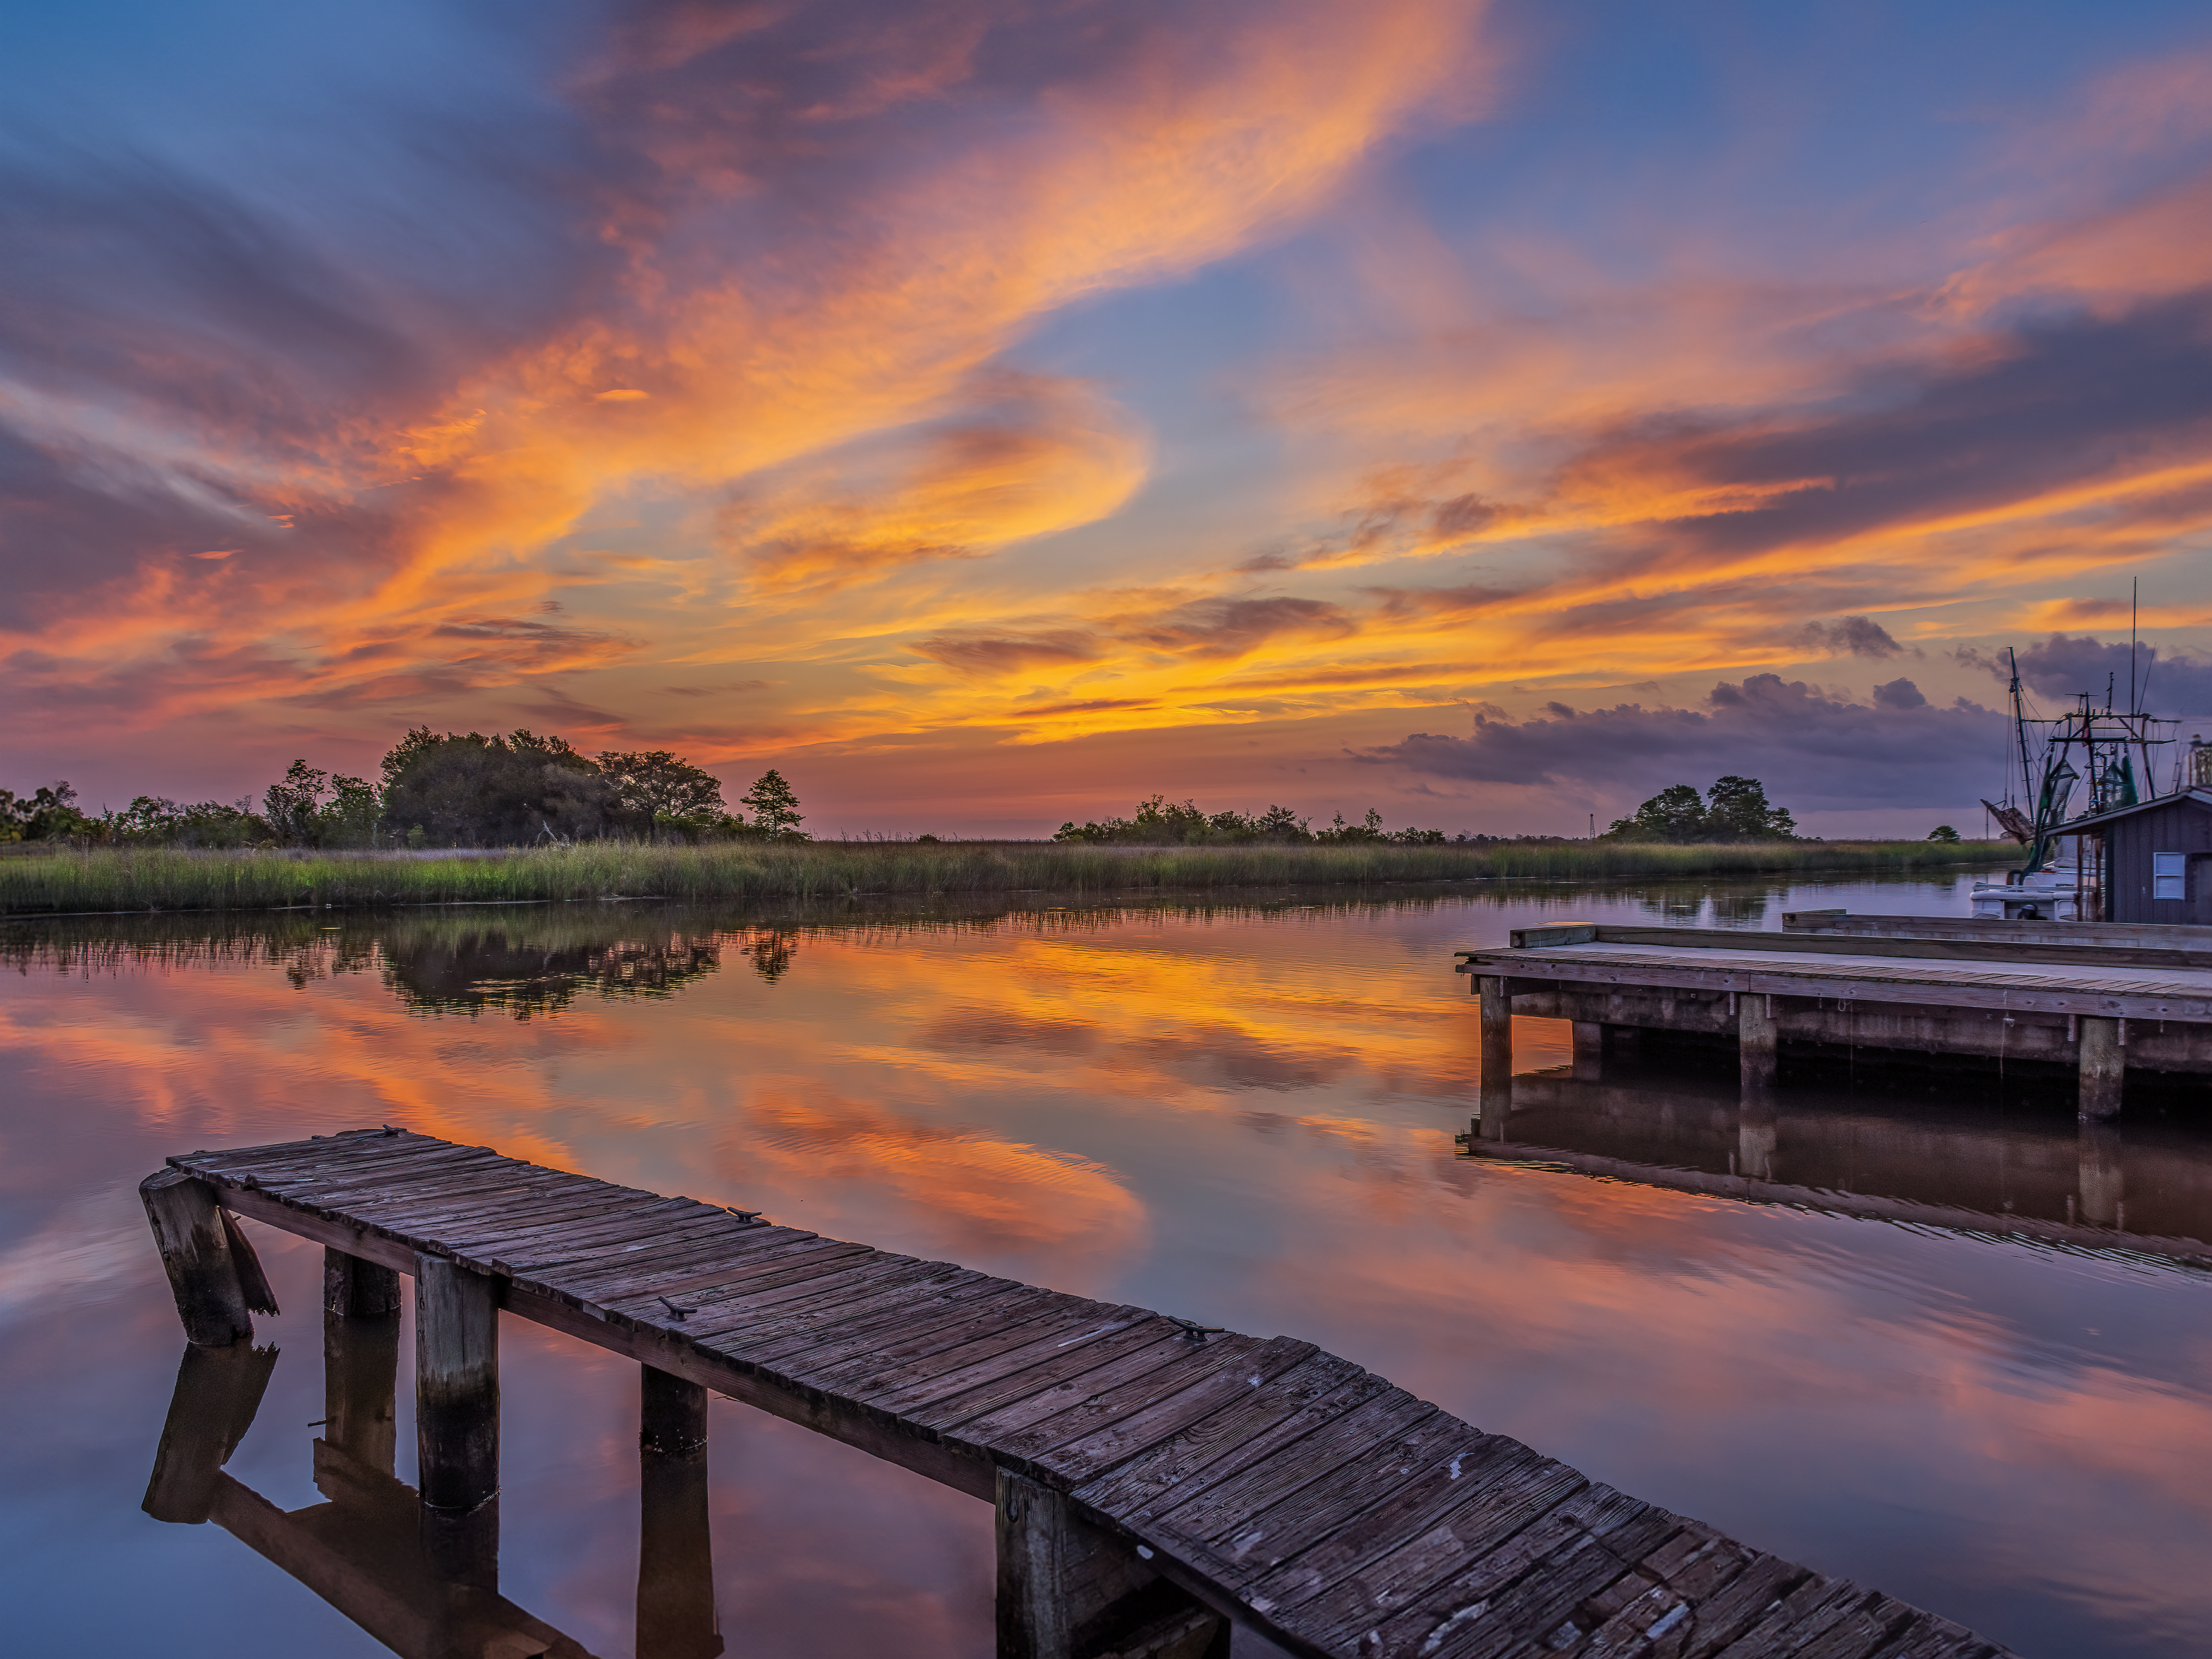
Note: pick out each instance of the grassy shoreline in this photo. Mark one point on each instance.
(125, 881)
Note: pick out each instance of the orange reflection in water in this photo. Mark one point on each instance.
(1244, 1118)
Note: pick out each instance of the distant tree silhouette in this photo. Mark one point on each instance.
(775, 808)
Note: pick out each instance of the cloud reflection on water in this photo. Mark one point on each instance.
(1244, 1117)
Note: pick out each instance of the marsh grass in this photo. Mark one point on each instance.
(159, 879)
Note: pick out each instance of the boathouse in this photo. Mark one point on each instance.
(2156, 857)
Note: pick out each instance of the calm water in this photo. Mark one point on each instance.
(1245, 1116)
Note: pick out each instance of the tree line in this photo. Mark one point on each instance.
(1734, 809)
(1160, 822)
(450, 789)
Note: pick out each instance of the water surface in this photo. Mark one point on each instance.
(1242, 1115)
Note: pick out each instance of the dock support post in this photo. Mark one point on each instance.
(360, 1359)
(456, 1385)
(2102, 1063)
(195, 1243)
(1070, 1590)
(1496, 1089)
(1589, 1051)
(675, 1616)
(1755, 1039)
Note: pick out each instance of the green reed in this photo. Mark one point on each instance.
(163, 879)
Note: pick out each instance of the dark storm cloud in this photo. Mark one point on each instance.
(1230, 627)
(1851, 636)
(1812, 750)
(1005, 654)
(2063, 667)
(2051, 400)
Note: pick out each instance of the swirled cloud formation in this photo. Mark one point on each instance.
(989, 412)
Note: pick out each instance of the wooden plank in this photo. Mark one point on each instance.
(1004, 1306)
(2123, 935)
(1003, 1342)
(694, 1264)
(602, 1240)
(1217, 1518)
(1468, 1499)
(1547, 1585)
(480, 1211)
(1202, 1362)
(368, 1176)
(1726, 1613)
(1242, 1552)
(769, 1298)
(808, 1340)
(462, 1221)
(791, 1309)
(528, 1236)
(1141, 1359)
(1230, 1439)
(1822, 1618)
(2001, 944)
(2168, 1001)
(1077, 1358)
(1116, 1441)
(731, 1297)
(1059, 1331)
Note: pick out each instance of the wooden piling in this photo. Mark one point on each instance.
(1070, 1590)
(1755, 1040)
(2102, 1061)
(195, 1251)
(676, 1616)
(456, 1385)
(1495, 1092)
(356, 1289)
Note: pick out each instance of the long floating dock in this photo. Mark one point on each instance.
(1155, 1483)
(2103, 1000)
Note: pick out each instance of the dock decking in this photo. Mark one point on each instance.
(1155, 1483)
(2101, 1005)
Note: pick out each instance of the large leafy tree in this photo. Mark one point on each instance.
(470, 790)
(1734, 809)
(1737, 809)
(659, 785)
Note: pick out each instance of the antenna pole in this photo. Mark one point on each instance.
(2135, 593)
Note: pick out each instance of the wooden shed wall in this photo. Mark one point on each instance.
(2182, 826)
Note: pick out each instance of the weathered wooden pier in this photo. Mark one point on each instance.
(2101, 1000)
(1157, 1485)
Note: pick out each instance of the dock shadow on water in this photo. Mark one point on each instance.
(1913, 1327)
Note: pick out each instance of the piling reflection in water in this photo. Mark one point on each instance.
(421, 1579)
(1961, 1146)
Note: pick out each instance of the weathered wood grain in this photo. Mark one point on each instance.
(1275, 1483)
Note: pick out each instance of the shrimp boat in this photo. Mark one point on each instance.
(2114, 749)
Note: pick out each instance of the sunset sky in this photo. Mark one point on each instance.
(990, 412)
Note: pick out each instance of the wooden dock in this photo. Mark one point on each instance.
(1974, 988)
(1156, 1484)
